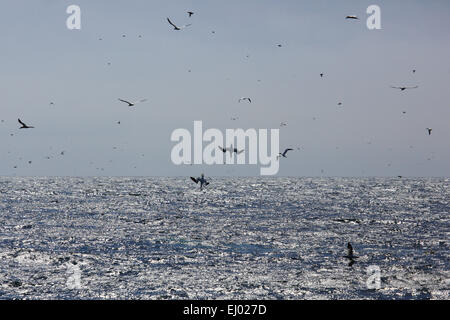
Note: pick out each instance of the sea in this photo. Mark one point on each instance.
(238, 238)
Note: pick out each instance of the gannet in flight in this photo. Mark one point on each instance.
(24, 126)
(190, 13)
(404, 88)
(202, 181)
(284, 153)
(352, 17)
(231, 149)
(131, 104)
(245, 98)
(429, 131)
(176, 27)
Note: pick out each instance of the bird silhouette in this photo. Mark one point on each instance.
(404, 88)
(175, 27)
(200, 180)
(131, 104)
(245, 98)
(24, 126)
(284, 153)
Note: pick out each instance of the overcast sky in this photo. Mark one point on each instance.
(369, 135)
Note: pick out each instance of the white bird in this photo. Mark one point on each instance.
(245, 98)
(131, 104)
(202, 181)
(284, 153)
(175, 27)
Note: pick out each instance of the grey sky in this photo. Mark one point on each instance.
(43, 61)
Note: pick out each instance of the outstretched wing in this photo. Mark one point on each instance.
(186, 25)
(239, 152)
(173, 25)
(286, 151)
(21, 123)
(125, 101)
(193, 179)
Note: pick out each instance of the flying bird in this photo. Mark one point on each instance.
(349, 251)
(175, 27)
(131, 104)
(321, 75)
(231, 149)
(24, 126)
(352, 17)
(350, 254)
(404, 88)
(244, 98)
(190, 13)
(429, 131)
(202, 181)
(283, 124)
(284, 153)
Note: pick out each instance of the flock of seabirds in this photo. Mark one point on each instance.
(202, 181)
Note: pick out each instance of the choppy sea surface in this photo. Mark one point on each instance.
(239, 238)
